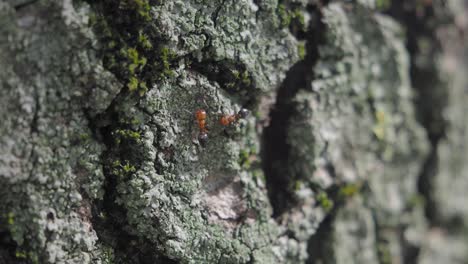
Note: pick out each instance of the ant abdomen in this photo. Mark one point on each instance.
(200, 116)
(202, 138)
(243, 113)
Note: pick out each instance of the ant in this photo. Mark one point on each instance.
(200, 115)
(230, 119)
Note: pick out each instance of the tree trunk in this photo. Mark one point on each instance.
(354, 149)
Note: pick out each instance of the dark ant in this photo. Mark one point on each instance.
(200, 115)
(226, 120)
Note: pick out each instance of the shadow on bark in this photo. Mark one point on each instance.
(431, 91)
(275, 155)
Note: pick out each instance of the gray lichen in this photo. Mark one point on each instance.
(50, 163)
(101, 161)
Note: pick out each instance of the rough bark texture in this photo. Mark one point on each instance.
(354, 151)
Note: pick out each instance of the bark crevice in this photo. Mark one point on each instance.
(275, 156)
(424, 73)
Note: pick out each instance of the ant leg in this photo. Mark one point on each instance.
(226, 133)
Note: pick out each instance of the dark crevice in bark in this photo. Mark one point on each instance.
(109, 219)
(275, 147)
(410, 251)
(110, 223)
(421, 23)
(23, 4)
(215, 14)
(317, 246)
(8, 247)
(231, 76)
(275, 150)
(121, 24)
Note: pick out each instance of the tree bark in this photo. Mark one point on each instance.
(354, 149)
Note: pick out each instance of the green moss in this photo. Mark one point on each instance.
(230, 85)
(245, 78)
(132, 84)
(299, 17)
(10, 218)
(349, 190)
(14, 228)
(143, 88)
(122, 169)
(144, 40)
(244, 158)
(128, 45)
(84, 137)
(132, 67)
(21, 254)
(126, 42)
(416, 200)
(143, 8)
(383, 4)
(116, 163)
(284, 16)
(135, 121)
(384, 253)
(379, 127)
(136, 85)
(128, 168)
(301, 51)
(108, 256)
(240, 79)
(111, 61)
(236, 74)
(166, 55)
(136, 62)
(30, 257)
(92, 19)
(325, 202)
(134, 56)
(247, 157)
(297, 185)
(112, 44)
(259, 174)
(126, 134)
(291, 17)
(34, 258)
(130, 120)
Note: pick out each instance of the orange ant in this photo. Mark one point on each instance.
(200, 115)
(230, 119)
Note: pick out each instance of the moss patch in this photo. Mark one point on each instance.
(138, 58)
(325, 202)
